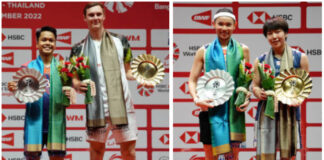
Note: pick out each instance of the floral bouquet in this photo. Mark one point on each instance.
(83, 70)
(65, 70)
(243, 82)
(267, 83)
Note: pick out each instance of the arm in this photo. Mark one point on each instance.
(128, 71)
(246, 53)
(246, 56)
(304, 62)
(193, 78)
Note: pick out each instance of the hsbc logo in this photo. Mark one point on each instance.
(203, 18)
(176, 52)
(68, 157)
(8, 58)
(133, 37)
(65, 37)
(252, 111)
(58, 56)
(3, 117)
(196, 112)
(190, 137)
(8, 139)
(185, 88)
(3, 37)
(119, 7)
(312, 52)
(165, 138)
(74, 139)
(144, 90)
(195, 157)
(74, 117)
(115, 157)
(258, 17)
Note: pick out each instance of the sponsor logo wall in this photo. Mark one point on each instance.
(193, 28)
(148, 34)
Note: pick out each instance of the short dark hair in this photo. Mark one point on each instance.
(223, 10)
(46, 28)
(274, 24)
(92, 4)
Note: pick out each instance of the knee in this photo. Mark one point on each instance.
(128, 153)
(97, 147)
(128, 150)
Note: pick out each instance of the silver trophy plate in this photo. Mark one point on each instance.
(31, 85)
(217, 85)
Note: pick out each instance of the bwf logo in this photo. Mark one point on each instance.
(145, 91)
(203, 18)
(119, 7)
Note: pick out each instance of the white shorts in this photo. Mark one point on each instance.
(120, 134)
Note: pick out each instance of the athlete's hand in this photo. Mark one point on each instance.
(12, 86)
(204, 104)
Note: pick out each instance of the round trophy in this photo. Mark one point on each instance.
(30, 85)
(217, 85)
(147, 69)
(292, 86)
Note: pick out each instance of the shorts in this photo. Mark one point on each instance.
(120, 134)
(205, 132)
(35, 155)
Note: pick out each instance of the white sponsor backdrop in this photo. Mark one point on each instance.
(149, 34)
(192, 29)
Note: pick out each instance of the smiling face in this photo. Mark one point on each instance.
(277, 39)
(224, 27)
(95, 17)
(46, 43)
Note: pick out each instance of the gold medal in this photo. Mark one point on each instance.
(147, 69)
(293, 86)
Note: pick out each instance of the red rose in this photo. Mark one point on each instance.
(79, 59)
(70, 74)
(64, 70)
(271, 76)
(84, 66)
(248, 65)
(67, 63)
(266, 66)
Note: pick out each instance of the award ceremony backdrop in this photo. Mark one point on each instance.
(193, 28)
(146, 27)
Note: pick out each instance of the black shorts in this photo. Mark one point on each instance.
(35, 155)
(205, 133)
